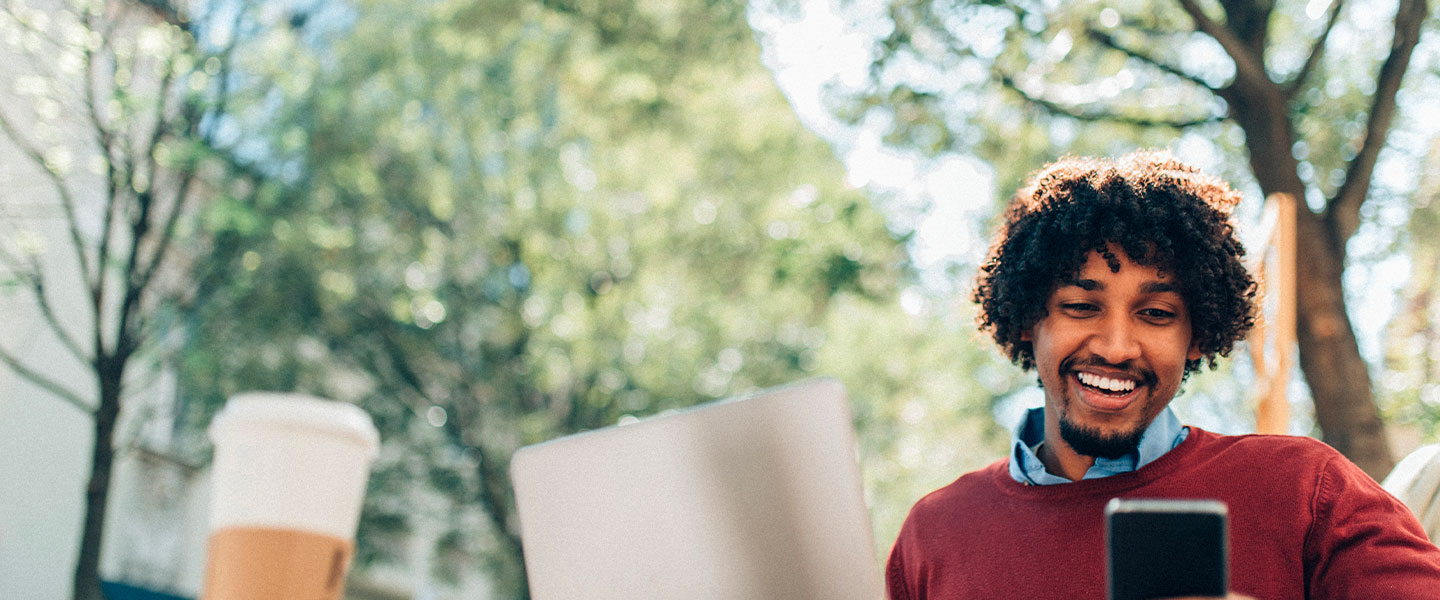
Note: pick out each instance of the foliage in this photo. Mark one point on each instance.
(1412, 373)
(495, 223)
(1294, 98)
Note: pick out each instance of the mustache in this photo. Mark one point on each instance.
(1145, 376)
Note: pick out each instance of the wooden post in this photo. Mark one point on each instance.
(1275, 324)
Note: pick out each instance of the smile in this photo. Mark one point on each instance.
(1106, 384)
(1103, 393)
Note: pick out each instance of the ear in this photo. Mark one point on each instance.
(1194, 352)
(1028, 335)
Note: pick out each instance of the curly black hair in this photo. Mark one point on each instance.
(1163, 213)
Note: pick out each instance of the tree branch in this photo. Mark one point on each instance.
(1105, 39)
(493, 482)
(45, 383)
(103, 135)
(1247, 66)
(106, 138)
(1316, 51)
(494, 490)
(223, 79)
(142, 225)
(57, 181)
(167, 233)
(1343, 213)
(1107, 117)
(128, 331)
(165, 11)
(143, 272)
(35, 278)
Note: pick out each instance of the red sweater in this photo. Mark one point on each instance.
(1304, 523)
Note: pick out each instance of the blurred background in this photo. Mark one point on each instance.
(490, 223)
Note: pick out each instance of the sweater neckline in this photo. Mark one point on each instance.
(1111, 485)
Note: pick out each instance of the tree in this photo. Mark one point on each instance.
(547, 217)
(1412, 369)
(110, 112)
(1091, 77)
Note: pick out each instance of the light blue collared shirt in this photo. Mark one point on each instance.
(1163, 435)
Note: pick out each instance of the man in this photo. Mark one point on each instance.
(1115, 280)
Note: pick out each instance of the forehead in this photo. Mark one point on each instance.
(1096, 270)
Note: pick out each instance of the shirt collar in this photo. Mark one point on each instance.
(1162, 435)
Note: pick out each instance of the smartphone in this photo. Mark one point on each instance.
(1161, 548)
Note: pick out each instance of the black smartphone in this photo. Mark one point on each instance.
(1162, 548)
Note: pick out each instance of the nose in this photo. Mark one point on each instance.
(1115, 340)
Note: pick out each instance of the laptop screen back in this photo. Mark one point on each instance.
(757, 497)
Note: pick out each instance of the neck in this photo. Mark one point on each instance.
(1061, 460)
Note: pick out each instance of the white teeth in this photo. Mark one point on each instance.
(1106, 383)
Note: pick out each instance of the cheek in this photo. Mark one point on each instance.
(1171, 356)
(1042, 352)
(1056, 343)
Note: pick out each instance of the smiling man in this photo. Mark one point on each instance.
(1111, 352)
(1115, 280)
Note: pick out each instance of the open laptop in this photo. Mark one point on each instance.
(753, 497)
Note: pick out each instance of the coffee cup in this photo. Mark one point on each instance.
(288, 480)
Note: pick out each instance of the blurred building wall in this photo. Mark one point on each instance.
(45, 442)
(155, 531)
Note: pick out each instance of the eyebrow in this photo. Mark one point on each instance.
(1150, 287)
(1159, 287)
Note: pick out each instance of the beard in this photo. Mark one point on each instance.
(1092, 442)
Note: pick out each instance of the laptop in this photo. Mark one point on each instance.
(751, 497)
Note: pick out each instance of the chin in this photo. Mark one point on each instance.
(1091, 441)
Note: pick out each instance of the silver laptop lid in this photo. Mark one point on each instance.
(755, 497)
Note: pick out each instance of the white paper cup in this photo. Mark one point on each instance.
(288, 480)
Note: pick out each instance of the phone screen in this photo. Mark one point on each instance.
(1158, 548)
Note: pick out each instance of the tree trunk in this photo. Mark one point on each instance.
(1330, 357)
(97, 493)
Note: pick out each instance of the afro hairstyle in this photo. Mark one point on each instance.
(1162, 213)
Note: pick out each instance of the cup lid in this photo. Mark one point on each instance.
(330, 416)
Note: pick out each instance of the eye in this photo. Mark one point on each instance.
(1079, 309)
(1157, 314)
